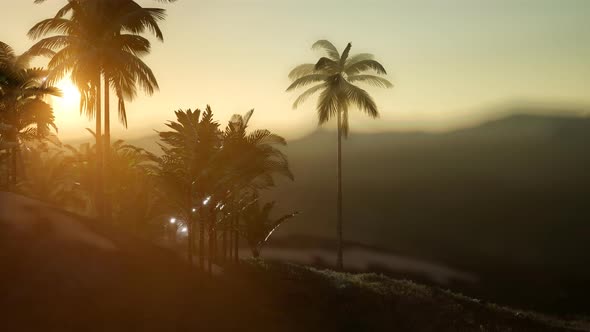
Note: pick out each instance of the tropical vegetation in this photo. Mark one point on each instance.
(204, 189)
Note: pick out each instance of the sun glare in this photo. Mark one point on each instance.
(66, 107)
(70, 98)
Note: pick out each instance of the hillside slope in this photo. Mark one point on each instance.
(61, 272)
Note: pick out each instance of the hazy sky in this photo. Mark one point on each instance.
(449, 60)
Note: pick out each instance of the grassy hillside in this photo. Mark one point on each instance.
(64, 273)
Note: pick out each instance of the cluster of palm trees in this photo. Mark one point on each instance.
(205, 176)
(212, 177)
(207, 180)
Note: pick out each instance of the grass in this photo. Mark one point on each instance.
(329, 300)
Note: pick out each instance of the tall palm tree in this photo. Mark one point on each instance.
(98, 42)
(252, 159)
(189, 175)
(335, 76)
(24, 114)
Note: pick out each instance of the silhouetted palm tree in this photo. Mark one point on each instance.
(208, 173)
(259, 226)
(24, 115)
(189, 174)
(335, 76)
(252, 160)
(98, 43)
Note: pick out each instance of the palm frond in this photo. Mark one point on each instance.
(361, 99)
(306, 80)
(359, 57)
(328, 105)
(302, 70)
(327, 46)
(308, 93)
(345, 54)
(327, 65)
(364, 65)
(60, 26)
(370, 79)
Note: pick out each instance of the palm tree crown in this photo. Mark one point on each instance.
(21, 95)
(100, 37)
(335, 75)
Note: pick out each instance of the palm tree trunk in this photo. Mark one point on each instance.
(99, 154)
(224, 241)
(13, 167)
(210, 250)
(191, 230)
(13, 155)
(339, 262)
(236, 238)
(230, 248)
(213, 252)
(189, 243)
(107, 151)
(202, 240)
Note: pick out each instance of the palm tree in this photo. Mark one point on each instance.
(24, 115)
(133, 169)
(100, 42)
(50, 178)
(335, 76)
(203, 171)
(259, 226)
(252, 160)
(188, 172)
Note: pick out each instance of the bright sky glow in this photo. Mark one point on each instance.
(450, 61)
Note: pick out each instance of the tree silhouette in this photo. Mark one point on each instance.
(334, 76)
(253, 160)
(98, 42)
(187, 168)
(24, 115)
(208, 173)
(259, 226)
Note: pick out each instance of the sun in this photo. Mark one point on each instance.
(71, 96)
(66, 108)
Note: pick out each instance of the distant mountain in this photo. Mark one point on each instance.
(519, 183)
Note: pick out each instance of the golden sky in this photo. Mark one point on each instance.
(451, 61)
